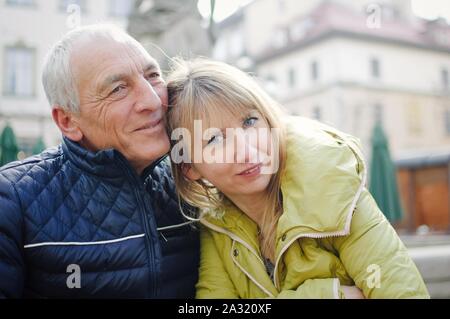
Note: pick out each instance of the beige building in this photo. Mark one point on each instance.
(169, 28)
(350, 63)
(28, 28)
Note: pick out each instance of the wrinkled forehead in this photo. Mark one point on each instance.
(94, 59)
(98, 52)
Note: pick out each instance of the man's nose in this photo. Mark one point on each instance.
(147, 97)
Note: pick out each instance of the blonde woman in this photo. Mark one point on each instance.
(285, 213)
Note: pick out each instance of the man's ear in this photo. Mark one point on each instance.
(67, 123)
(190, 172)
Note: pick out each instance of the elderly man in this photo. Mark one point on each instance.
(97, 217)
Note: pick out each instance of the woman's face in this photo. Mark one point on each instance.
(236, 155)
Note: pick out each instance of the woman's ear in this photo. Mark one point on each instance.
(190, 172)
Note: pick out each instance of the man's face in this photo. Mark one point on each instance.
(123, 100)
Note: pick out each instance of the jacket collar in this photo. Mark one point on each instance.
(324, 176)
(107, 163)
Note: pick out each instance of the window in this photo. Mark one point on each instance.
(444, 79)
(64, 4)
(414, 118)
(280, 37)
(292, 77)
(378, 113)
(271, 78)
(375, 68)
(271, 84)
(20, 2)
(447, 121)
(19, 72)
(299, 29)
(314, 70)
(121, 8)
(317, 113)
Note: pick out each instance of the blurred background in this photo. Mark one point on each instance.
(379, 70)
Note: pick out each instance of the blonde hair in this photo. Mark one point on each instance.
(201, 89)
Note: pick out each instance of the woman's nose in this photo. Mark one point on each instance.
(246, 148)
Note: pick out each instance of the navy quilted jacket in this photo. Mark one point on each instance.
(79, 224)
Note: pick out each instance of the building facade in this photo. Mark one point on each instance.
(349, 64)
(169, 28)
(28, 29)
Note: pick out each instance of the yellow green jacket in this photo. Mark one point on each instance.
(331, 232)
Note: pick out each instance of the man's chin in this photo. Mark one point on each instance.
(155, 152)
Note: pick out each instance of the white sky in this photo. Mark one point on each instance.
(429, 9)
(224, 8)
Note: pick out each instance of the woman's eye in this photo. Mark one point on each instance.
(215, 139)
(251, 121)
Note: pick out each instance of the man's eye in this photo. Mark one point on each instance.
(153, 75)
(250, 121)
(117, 89)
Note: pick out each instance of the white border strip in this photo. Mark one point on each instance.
(83, 243)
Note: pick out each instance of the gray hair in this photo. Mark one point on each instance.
(57, 78)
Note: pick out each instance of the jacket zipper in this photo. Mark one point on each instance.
(236, 238)
(147, 230)
(339, 233)
(315, 236)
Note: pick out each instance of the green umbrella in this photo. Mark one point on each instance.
(8, 146)
(383, 181)
(38, 147)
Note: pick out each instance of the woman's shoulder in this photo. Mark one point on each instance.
(314, 145)
(302, 129)
(325, 172)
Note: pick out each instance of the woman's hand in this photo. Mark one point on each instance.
(352, 292)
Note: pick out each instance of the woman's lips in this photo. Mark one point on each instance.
(252, 171)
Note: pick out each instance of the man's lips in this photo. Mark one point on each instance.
(150, 125)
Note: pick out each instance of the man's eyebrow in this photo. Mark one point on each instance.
(122, 76)
(110, 80)
(150, 67)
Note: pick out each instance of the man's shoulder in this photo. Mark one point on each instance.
(46, 163)
(161, 177)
